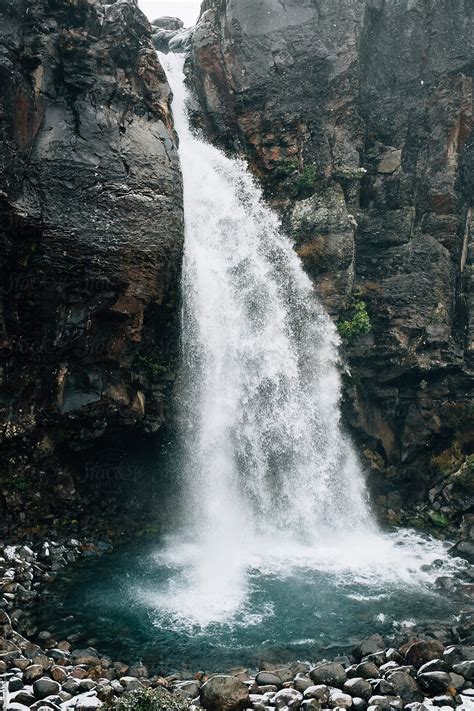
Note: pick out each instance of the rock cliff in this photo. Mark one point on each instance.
(91, 231)
(357, 117)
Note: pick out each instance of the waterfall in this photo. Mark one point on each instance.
(264, 442)
(270, 479)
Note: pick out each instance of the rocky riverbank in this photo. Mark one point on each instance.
(433, 666)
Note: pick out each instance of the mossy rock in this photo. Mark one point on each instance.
(439, 520)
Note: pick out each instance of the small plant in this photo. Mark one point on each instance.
(357, 322)
(306, 183)
(20, 484)
(285, 168)
(151, 364)
(150, 700)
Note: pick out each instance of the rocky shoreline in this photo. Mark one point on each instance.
(434, 666)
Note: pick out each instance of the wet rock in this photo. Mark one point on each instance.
(377, 658)
(58, 674)
(370, 645)
(434, 665)
(168, 23)
(285, 674)
(359, 704)
(302, 682)
(443, 700)
(265, 678)
(358, 686)
(86, 685)
(139, 671)
(188, 687)
(337, 699)
(420, 653)
(465, 669)
(388, 667)
(71, 685)
(320, 692)
(380, 701)
(25, 697)
(287, 698)
(45, 687)
(393, 655)
(33, 673)
(311, 705)
(435, 682)
(457, 681)
(367, 670)
(224, 693)
(332, 674)
(15, 684)
(457, 654)
(383, 687)
(405, 687)
(87, 657)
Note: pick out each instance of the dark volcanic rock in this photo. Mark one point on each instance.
(168, 23)
(419, 653)
(91, 232)
(357, 115)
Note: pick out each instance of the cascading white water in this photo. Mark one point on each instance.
(271, 480)
(264, 442)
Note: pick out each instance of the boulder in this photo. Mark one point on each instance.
(338, 699)
(33, 673)
(168, 23)
(45, 687)
(367, 670)
(405, 687)
(332, 674)
(367, 646)
(224, 693)
(420, 653)
(320, 692)
(302, 682)
(265, 678)
(287, 699)
(465, 669)
(358, 686)
(435, 682)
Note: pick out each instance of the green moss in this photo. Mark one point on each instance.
(306, 183)
(20, 484)
(151, 364)
(285, 168)
(357, 322)
(150, 700)
(437, 519)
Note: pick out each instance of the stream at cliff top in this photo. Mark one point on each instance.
(275, 553)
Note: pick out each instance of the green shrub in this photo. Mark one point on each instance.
(357, 323)
(150, 700)
(151, 364)
(306, 183)
(285, 168)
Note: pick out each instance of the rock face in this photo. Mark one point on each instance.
(357, 116)
(91, 231)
